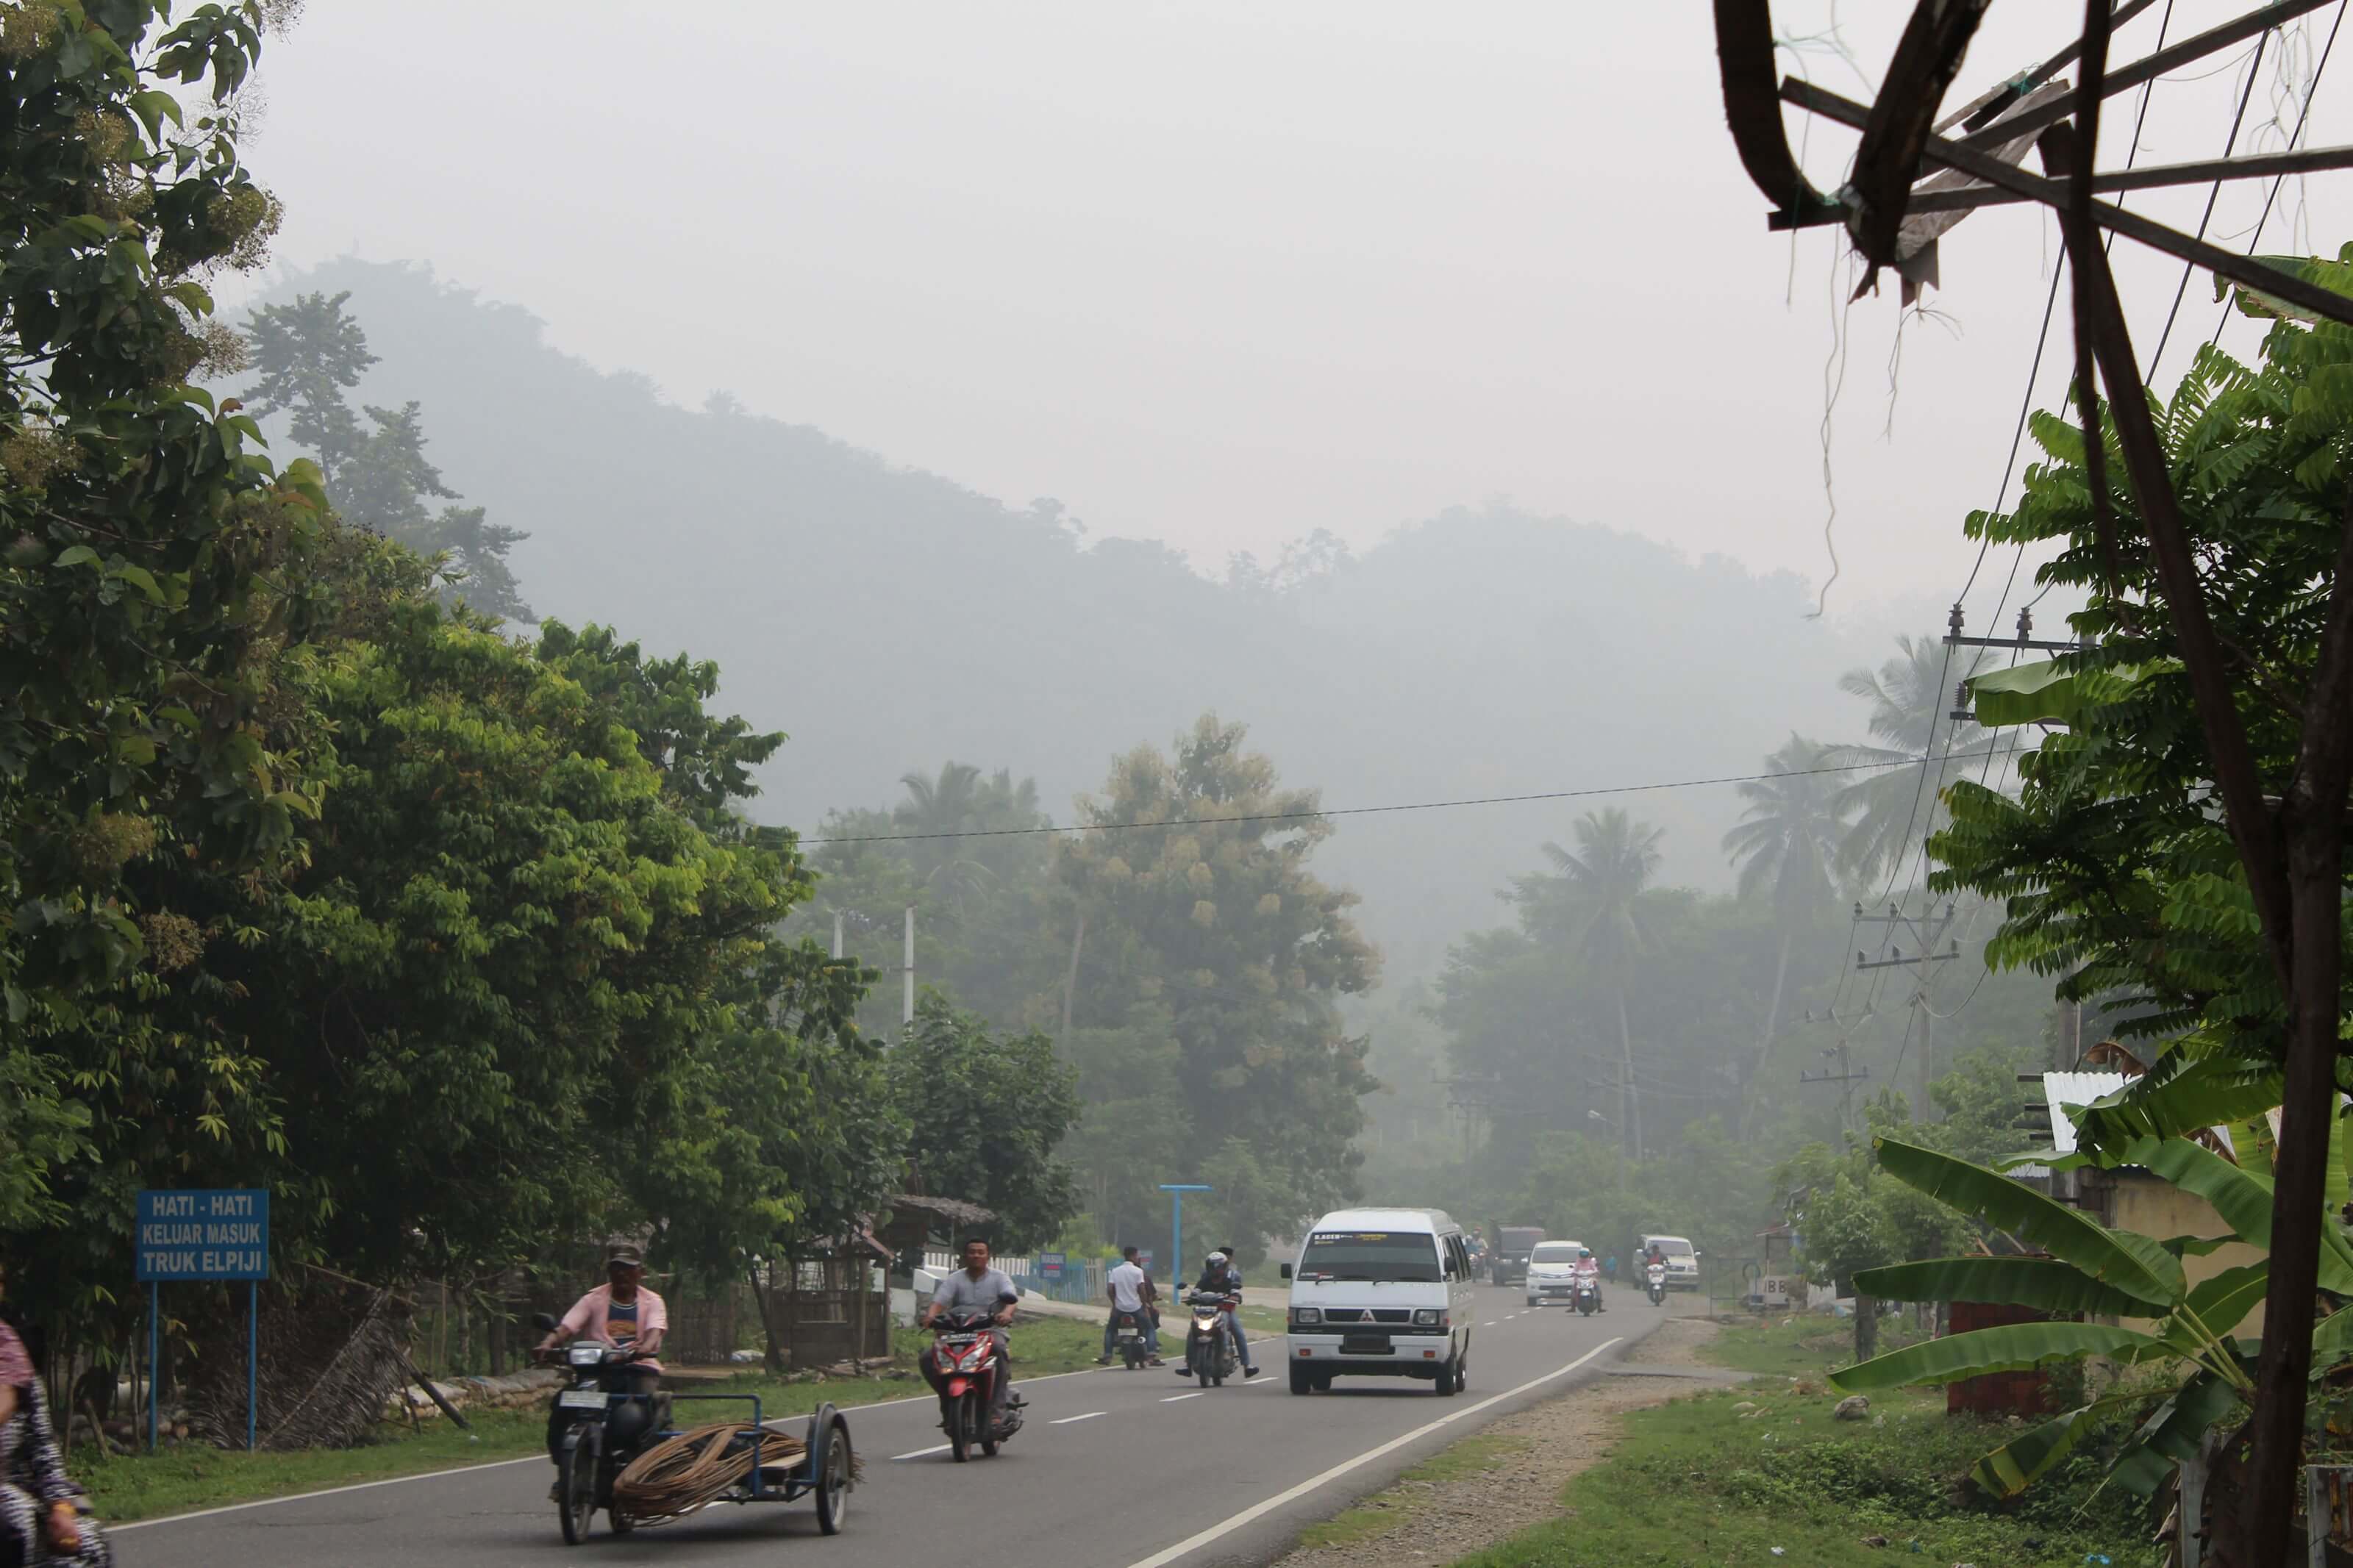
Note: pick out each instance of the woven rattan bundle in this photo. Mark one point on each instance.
(693, 1469)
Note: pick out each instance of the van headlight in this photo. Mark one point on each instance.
(1304, 1316)
(1429, 1317)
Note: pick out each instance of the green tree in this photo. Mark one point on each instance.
(1596, 892)
(2182, 839)
(1911, 703)
(1215, 923)
(1787, 846)
(306, 355)
(985, 1114)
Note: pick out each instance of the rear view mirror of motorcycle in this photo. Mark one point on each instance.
(544, 1322)
(1008, 1298)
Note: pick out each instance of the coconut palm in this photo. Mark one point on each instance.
(1892, 808)
(1785, 847)
(943, 810)
(1603, 883)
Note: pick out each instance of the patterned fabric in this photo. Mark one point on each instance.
(32, 1477)
(15, 1366)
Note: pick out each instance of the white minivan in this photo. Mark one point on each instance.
(1380, 1293)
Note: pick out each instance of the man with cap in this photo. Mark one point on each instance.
(620, 1312)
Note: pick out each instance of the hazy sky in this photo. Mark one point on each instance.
(1222, 274)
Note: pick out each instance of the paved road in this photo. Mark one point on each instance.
(1228, 1476)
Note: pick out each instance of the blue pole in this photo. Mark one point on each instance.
(1176, 1240)
(154, 1355)
(252, 1357)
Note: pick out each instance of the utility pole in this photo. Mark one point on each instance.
(1845, 1078)
(907, 1002)
(1925, 957)
(837, 935)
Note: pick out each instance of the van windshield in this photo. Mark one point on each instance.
(1672, 1246)
(1371, 1254)
(1554, 1252)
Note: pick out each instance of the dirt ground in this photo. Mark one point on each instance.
(1438, 1521)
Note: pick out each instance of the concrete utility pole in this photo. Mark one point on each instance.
(1923, 962)
(836, 934)
(1846, 1078)
(907, 991)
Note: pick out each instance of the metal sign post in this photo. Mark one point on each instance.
(208, 1234)
(1177, 1191)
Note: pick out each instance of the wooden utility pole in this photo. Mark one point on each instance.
(1922, 963)
(2290, 844)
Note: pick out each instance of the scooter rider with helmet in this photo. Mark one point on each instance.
(1219, 1275)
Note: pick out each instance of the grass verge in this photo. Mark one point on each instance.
(192, 1477)
(1387, 1509)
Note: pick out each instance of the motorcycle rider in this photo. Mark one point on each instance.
(1131, 1290)
(978, 1290)
(1588, 1269)
(620, 1312)
(1219, 1275)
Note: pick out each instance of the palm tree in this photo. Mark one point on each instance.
(1894, 808)
(1605, 879)
(943, 810)
(1787, 842)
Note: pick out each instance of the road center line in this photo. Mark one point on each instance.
(1175, 1398)
(1066, 1420)
(1258, 1510)
(919, 1453)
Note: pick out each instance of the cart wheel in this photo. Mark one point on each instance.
(577, 1480)
(834, 1464)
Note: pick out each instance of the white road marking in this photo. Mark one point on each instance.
(112, 1528)
(1193, 1543)
(1488, 1324)
(1175, 1398)
(919, 1453)
(1066, 1420)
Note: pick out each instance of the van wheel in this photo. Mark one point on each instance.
(1446, 1379)
(1300, 1381)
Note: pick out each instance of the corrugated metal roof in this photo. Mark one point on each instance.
(2074, 1089)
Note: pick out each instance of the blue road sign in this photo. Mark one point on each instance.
(204, 1234)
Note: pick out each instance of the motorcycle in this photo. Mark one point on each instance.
(1657, 1276)
(966, 1367)
(608, 1424)
(1209, 1354)
(1589, 1294)
(1128, 1329)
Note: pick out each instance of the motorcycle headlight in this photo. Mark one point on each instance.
(973, 1356)
(1304, 1316)
(1429, 1317)
(585, 1355)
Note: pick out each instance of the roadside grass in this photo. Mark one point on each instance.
(1809, 1345)
(1700, 1481)
(1392, 1506)
(124, 1488)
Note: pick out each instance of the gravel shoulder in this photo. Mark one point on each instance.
(1509, 1476)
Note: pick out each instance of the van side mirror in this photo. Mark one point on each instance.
(1286, 1271)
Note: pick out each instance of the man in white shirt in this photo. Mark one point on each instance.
(1131, 1290)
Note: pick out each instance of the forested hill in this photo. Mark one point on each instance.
(890, 619)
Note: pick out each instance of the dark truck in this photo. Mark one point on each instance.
(1513, 1244)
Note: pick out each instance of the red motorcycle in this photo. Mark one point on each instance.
(966, 1367)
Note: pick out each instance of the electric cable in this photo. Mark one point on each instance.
(2303, 116)
(2212, 195)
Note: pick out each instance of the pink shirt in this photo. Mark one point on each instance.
(589, 1315)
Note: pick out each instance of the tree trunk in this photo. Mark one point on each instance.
(773, 1344)
(1071, 976)
(1866, 1326)
(1629, 1098)
(1772, 1018)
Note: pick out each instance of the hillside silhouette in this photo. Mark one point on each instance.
(889, 618)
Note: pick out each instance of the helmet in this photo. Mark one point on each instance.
(1585, 1252)
(1217, 1257)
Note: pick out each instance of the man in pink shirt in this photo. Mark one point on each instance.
(620, 1312)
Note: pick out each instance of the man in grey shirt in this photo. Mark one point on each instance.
(976, 1290)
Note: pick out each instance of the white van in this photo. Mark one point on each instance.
(1380, 1293)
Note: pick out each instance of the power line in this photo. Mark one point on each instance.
(2303, 115)
(1312, 814)
(2212, 195)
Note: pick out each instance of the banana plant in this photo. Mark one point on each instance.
(2094, 1271)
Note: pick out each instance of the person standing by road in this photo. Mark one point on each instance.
(1131, 1292)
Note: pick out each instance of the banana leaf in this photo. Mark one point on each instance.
(2332, 1342)
(2019, 1463)
(2182, 1093)
(2132, 1264)
(2012, 1347)
(2221, 1303)
(2042, 1282)
(2172, 1433)
(2025, 694)
(2243, 1197)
